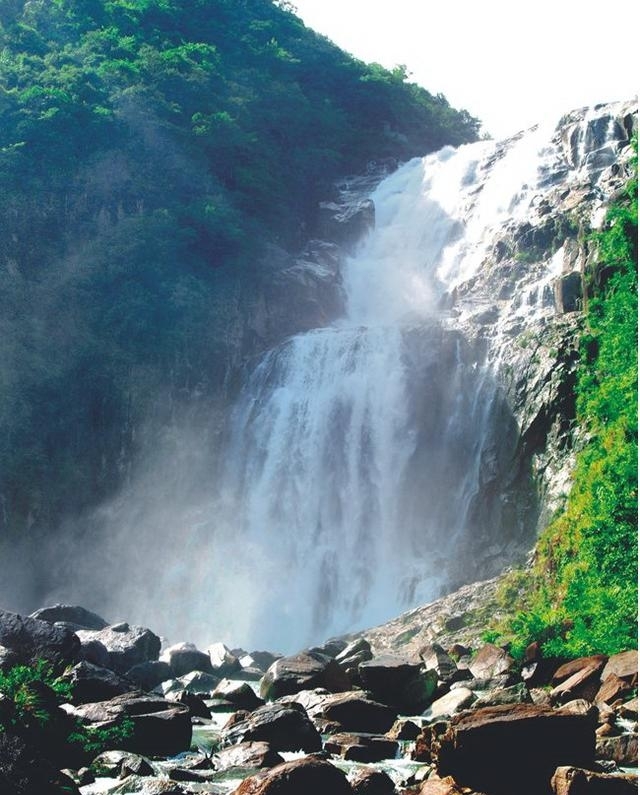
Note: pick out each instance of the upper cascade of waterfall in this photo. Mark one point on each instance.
(437, 218)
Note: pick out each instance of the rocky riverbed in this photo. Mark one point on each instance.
(405, 708)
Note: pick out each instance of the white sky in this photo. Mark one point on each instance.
(508, 63)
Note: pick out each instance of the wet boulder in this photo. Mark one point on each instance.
(255, 753)
(159, 727)
(127, 645)
(223, 662)
(355, 747)
(436, 658)
(90, 683)
(30, 639)
(260, 660)
(451, 703)
(491, 748)
(72, 616)
(198, 682)
(355, 712)
(119, 764)
(311, 776)
(195, 704)
(183, 658)
(623, 749)
(304, 671)
(403, 685)
(286, 727)
(240, 694)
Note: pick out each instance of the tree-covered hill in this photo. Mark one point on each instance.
(149, 149)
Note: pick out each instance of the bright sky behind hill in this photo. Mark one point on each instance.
(508, 63)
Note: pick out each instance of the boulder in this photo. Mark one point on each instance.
(247, 755)
(491, 661)
(222, 660)
(127, 645)
(575, 781)
(595, 662)
(623, 749)
(90, 683)
(311, 776)
(183, 658)
(435, 657)
(286, 727)
(73, 616)
(30, 639)
(354, 653)
(629, 709)
(149, 675)
(23, 771)
(197, 682)
(401, 684)
(371, 782)
(196, 706)
(361, 747)
(160, 728)
(491, 748)
(259, 659)
(355, 712)
(403, 729)
(583, 684)
(332, 647)
(452, 702)
(624, 666)
(613, 688)
(118, 764)
(304, 671)
(240, 694)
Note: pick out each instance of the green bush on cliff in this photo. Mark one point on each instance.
(581, 595)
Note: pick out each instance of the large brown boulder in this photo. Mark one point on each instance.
(514, 748)
(304, 671)
(575, 781)
(30, 639)
(308, 776)
(285, 727)
(569, 669)
(371, 782)
(624, 666)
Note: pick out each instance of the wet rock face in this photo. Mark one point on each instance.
(126, 645)
(304, 671)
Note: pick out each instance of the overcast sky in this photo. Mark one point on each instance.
(508, 63)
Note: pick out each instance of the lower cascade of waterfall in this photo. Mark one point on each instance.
(375, 463)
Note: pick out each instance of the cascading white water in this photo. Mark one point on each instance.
(329, 429)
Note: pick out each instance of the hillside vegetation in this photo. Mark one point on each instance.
(148, 151)
(581, 596)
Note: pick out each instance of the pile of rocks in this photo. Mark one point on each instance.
(472, 721)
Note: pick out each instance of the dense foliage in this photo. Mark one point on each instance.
(148, 150)
(35, 693)
(581, 596)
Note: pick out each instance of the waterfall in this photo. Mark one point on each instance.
(359, 451)
(377, 462)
